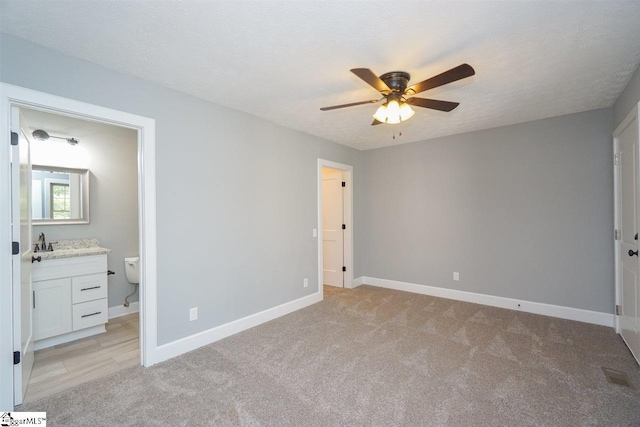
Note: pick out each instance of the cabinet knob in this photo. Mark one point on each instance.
(34, 259)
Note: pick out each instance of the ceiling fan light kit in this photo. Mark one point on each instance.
(393, 112)
(398, 97)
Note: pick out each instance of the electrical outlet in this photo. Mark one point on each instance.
(193, 314)
(315, 232)
(305, 282)
(456, 276)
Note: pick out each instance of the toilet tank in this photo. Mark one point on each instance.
(132, 269)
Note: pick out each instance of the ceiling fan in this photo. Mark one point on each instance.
(393, 88)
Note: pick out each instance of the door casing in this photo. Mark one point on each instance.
(17, 96)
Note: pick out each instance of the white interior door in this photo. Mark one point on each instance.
(627, 208)
(21, 262)
(332, 232)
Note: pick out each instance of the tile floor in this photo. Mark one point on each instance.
(66, 365)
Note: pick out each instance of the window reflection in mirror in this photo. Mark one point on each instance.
(59, 195)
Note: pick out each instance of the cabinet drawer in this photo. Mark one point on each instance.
(68, 267)
(89, 288)
(92, 313)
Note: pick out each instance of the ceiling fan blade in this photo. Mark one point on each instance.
(370, 77)
(333, 107)
(458, 73)
(434, 104)
(376, 122)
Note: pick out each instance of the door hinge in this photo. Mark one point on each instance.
(344, 268)
(14, 138)
(616, 234)
(15, 248)
(344, 184)
(618, 310)
(616, 159)
(16, 357)
(344, 226)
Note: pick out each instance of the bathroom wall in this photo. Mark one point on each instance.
(110, 153)
(236, 195)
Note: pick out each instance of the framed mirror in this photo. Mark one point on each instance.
(59, 195)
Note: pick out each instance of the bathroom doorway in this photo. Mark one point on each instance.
(84, 205)
(13, 314)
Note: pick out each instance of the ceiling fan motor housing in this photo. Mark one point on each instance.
(396, 80)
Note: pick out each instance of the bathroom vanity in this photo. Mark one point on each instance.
(69, 293)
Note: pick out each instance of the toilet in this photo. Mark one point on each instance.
(132, 269)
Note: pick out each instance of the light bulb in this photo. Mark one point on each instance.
(393, 112)
(381, 114)
(406, 112)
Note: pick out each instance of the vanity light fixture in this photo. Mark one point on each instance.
(41, 135)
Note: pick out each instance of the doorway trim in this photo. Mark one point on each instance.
(348, 218)
(633, 114)
(17, 96)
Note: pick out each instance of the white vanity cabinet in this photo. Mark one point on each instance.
(70, 299)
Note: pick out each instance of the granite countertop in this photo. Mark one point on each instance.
(73, 248)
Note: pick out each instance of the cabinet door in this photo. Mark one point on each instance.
(52, 308)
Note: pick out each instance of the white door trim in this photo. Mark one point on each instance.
(616, 214)
(348, 218)
(11, 95)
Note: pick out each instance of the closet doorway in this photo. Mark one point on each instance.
(335, 223)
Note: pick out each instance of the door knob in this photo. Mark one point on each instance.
(632, 253)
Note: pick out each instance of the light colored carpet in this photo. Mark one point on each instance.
(375, 357)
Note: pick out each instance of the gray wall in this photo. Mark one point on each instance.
(236, 195)
(523, 211)
(628, 99)
(112, 160)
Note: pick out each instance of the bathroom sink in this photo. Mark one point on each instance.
(72, 249)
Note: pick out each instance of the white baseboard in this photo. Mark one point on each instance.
(357, 282)
(121, 310)
(71, 336)
(570, 313)
(184, 345)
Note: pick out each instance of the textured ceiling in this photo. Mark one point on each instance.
(284, 60)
